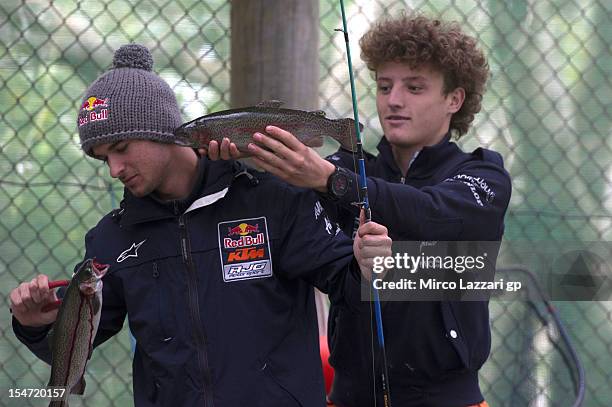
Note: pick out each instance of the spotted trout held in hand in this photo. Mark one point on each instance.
(238, 125)
(75, 328)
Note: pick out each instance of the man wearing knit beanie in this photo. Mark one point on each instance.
(128, 102)
(212, 264)
(131, 103)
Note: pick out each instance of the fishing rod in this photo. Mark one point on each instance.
(365, 205)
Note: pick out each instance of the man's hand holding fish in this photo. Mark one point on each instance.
(28, 300)
(286, 157)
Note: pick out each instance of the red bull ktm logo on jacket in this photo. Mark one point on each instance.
(245, 249)
(93, 109)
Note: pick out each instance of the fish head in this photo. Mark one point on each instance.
(195, 134)
(89, 276)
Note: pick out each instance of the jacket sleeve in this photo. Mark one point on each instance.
(315, 249)
(468, 205)
(34, 338)
(111, 319)
(345, 213)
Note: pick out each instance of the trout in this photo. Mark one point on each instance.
(75, 328)
(238, 125)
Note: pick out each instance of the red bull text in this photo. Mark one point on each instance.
(244, 241)
(89, 105)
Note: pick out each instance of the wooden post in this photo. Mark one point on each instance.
(275, 48)
(275, 55)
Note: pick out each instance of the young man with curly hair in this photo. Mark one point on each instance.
(430, 79)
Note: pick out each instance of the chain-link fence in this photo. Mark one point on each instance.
(547, 111)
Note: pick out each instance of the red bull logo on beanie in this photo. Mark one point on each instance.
(244, 248)
(93, 102)
(92, 113)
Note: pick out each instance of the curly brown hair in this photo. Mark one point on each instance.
(417, 40)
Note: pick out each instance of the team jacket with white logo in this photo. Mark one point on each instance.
(434, 349)
(218, 291)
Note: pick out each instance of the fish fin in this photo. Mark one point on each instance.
(184, 142)
(318, 113)
(270, 103)
(50, 336)
(347, 136)
(316, 141)
(79, 388)
(96, 304)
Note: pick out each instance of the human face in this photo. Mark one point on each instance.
(412, 107)
(141, 165)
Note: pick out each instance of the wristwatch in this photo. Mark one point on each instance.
(338, 183)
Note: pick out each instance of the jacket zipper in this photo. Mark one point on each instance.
(194, 308)
(159, 288)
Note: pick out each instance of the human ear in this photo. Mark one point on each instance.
(455, 100)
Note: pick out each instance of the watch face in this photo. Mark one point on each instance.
(340, 184)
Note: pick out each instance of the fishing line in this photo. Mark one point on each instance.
(365, 205)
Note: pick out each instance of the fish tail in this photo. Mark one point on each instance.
(347, 136)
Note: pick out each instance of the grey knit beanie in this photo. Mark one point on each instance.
(129, 101)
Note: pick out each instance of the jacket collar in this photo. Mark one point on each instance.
(427, 160)
(214, 180)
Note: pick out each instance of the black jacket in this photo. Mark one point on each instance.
(241, 333)
(434, 349)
